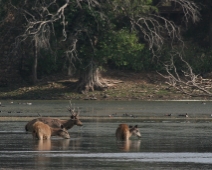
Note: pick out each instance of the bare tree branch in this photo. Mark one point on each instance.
(155, 28)
(40, 21)
(187, 83)
(154, 31)
(190, 9)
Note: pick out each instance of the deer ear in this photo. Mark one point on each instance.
(136, 126)
(130, 126)
(61, 126)
(72, 117)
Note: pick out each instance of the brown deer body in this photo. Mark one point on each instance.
(44, 131)
(124, 132)
(56, 123)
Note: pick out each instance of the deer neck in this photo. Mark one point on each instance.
(68, 123)
(130, 133)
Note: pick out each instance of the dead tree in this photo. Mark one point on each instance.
(187, 82)
(40, 26)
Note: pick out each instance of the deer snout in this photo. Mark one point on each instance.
(79, 123)
(138, 134)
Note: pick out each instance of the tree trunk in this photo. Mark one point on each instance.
(90, 80)
(70, 68)
(210, 27)
(35, 63)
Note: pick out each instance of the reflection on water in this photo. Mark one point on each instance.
(43, 145)
(129, 145)
(63, 144)
(48, 145)
(183, 157)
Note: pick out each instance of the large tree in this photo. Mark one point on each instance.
(140, 17)
(83, 26)
(39, 20)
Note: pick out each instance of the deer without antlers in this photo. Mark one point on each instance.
(44, 131)
(124, 132)
(56, 123)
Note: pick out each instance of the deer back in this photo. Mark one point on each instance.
(41, 130)
(122, 132)
(52, 122)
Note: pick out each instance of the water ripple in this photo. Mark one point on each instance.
(144, 157)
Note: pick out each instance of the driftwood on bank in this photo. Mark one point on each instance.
(187, 82)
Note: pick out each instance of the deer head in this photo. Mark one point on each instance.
(63, 133)
(74, 115)
(135, 131)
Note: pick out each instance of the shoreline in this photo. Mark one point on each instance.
(122, 86)
(110, 119)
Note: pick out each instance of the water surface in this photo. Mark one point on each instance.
(183, 144)
(104, 108)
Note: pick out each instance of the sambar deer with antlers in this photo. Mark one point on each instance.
(56, 123)
(43, 131)
(124, 132)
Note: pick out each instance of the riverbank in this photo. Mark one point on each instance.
(114, 119)
(123, 85)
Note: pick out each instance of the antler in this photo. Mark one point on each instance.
(72, 110)
(78, 112)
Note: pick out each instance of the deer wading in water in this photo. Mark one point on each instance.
(44, 131)
(124, 132)
(56, 123)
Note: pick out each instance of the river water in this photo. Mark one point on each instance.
(167, 144)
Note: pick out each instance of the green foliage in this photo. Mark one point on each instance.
(200, 59)
(135, 7)
(47, 64)
(116, 45)
(3, 9)
(122, 50)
